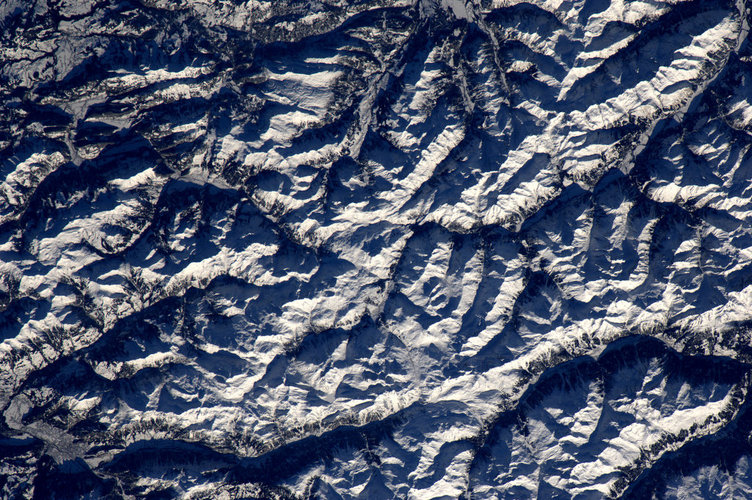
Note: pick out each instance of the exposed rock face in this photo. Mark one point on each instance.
(375, 249)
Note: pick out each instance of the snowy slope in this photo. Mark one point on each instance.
(375, 249)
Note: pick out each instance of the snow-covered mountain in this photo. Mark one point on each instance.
(375, 249)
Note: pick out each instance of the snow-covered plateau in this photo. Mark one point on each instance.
(338, 249)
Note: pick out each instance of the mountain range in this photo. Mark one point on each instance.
(375, 249)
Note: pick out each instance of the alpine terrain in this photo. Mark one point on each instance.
(336, 249)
